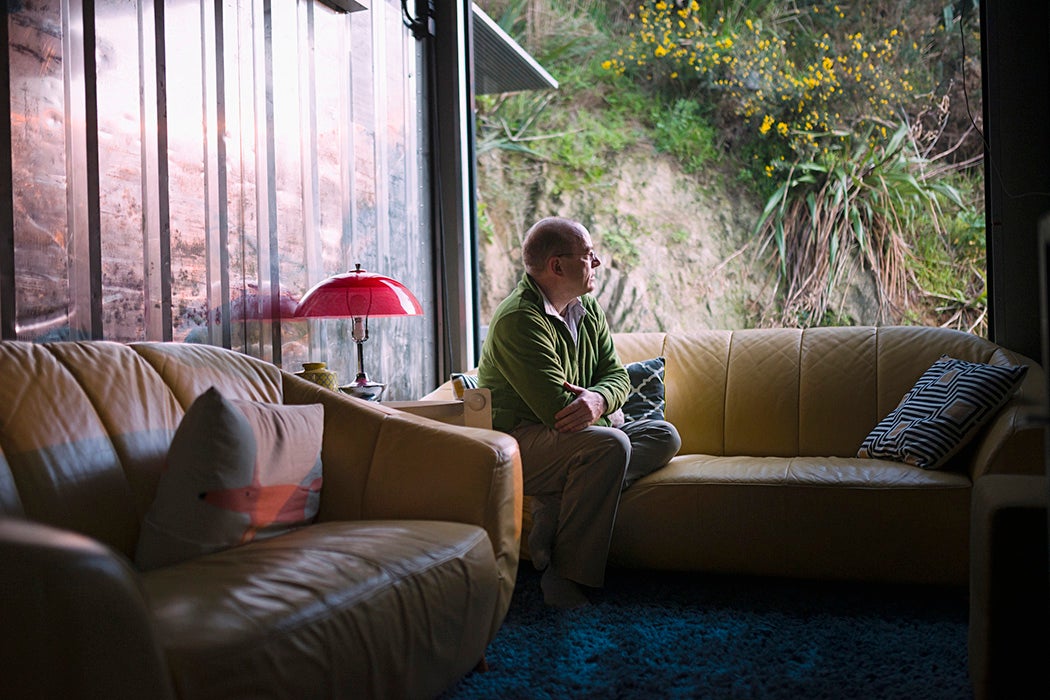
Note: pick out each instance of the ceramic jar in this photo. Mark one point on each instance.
(318, 373)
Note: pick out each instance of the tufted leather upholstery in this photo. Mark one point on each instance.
(767, 481)
(395, 592)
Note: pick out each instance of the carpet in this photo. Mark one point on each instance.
(687, 635)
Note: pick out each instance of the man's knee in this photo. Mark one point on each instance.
(657, 432)
(611, 449)
(670, 436)
(611, 439)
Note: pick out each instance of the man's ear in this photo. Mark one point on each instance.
(554, 265)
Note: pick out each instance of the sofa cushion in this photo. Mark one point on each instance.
(646, 399)
(364, 609)
(237, 470)
(820, 517)
(941, 412)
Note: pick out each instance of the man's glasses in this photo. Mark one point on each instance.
(590, 256)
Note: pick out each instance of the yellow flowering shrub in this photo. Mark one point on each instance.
(810, 93)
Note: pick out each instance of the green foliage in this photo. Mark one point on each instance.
(488, 233)
(506, 122)
(951, 274)
(822, 97)
(619, 242)
(622, 248)
(587, 139)
(592, 116)
(683, 132)
(680, 236)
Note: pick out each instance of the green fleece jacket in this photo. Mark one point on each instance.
(527, 355)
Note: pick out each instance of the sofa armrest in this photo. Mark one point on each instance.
(430, 470)
(433, 471)
(75, 622)
(1011, 444)
(382, 463)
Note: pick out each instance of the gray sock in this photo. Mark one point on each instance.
(541, 536)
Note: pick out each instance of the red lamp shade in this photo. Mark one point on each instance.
(357, 294)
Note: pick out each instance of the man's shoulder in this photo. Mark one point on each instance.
(520, 301)
(515, 319)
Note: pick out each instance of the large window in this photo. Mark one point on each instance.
(183, 170)
(747, 164)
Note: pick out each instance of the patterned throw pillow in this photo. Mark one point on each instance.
(646, 399)
(236, 471)
(462, 382)
(945, 408)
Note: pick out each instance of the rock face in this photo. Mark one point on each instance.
(678, 251)
(675, 247)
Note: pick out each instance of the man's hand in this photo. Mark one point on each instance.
(585, 409)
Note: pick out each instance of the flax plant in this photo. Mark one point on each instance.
(864, 202)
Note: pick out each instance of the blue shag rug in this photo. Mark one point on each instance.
(686, 635)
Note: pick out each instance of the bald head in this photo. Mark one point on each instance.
(551, 236)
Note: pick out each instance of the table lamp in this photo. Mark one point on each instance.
(358, 295)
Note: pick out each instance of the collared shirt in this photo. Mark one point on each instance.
(571, 316)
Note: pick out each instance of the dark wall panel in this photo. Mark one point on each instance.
(1016, 55)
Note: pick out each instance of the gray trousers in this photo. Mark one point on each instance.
(577, 478)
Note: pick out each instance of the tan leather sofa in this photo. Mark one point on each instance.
(767, 481)
(395, 591)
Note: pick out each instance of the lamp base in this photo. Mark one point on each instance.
(364, 389)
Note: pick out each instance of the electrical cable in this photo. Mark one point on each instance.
(420, 26)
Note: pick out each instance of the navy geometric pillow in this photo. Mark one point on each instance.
(945, 408)
(646, 399)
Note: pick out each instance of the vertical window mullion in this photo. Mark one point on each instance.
(154, 138)
(216, 214)
(308, 163)
(308, 138)
(268, 273)
(7, 196)
(82, 189)
(381, 174)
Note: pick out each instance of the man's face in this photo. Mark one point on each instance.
(579, 264)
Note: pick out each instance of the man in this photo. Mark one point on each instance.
(556, 384)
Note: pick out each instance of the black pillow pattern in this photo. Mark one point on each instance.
(646, 399)
(941, 412)
(462, 382)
